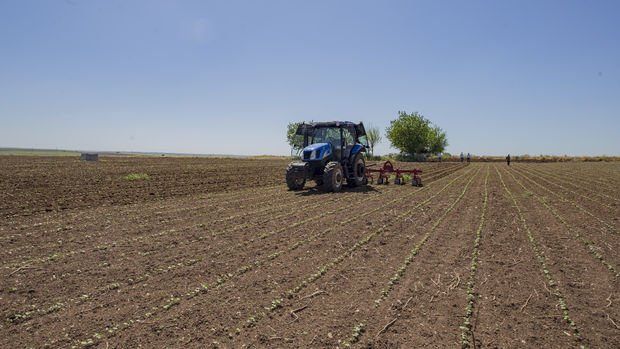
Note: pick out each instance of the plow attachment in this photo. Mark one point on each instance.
(383, 174)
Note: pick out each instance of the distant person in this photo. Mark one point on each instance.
(468, 158)
(508, 159)
(439, 156)
(462, 157)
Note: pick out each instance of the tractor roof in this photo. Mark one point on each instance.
(332, 124)
(359, 128)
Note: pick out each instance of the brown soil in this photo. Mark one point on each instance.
(217, 253)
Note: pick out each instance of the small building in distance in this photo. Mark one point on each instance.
(89, 157)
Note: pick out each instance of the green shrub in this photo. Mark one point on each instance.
(137, 177)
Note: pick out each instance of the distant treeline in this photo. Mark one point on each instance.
(489, 158)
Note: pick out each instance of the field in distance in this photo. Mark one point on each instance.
(215, 252)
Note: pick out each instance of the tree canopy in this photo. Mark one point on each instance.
(414, 134)
(295, 142)
(373, 135)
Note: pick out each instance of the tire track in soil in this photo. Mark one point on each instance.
(511, 305)
(544, 264)
(585, 283)
(226, 281)
(147, 302)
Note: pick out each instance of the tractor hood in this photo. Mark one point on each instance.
(317, 151)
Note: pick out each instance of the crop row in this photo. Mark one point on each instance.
(589, 174)
(590, 246)
(137, 213)
(574, 204)
(247, 195)
(84, 297)
(323, 269)
(466, 328)
(542, 260)
(214, 224)
(415, 250)
(281, 206)
(400, 271)
(109, 187)
(572, 191)
(227, 276)
(583, 184)
(40, 309)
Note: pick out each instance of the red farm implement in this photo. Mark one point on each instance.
(385, 172)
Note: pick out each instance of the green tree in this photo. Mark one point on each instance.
(291, 138)
(414, 134)
(295, 141)
(373, 135)
(438, 141)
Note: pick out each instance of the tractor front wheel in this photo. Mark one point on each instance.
(333, 176)
(293, 181)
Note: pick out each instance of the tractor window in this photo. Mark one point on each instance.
(363, 140)
(326, 135)
(348, 137)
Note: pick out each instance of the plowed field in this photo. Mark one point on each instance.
(218, 253)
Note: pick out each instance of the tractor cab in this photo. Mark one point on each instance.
(332, 153)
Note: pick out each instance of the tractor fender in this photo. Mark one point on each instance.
(356, 149)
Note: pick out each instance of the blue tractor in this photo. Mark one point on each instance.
(332, 154)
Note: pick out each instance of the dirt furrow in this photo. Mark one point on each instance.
(544, 262)
(363, 278)
(591, 243)
(584, 283)
(575, 191)
(606, 226)
(513, 307)
(228, 280)
(580, 184)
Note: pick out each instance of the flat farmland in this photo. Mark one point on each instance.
(211, 252)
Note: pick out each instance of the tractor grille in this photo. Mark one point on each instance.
(307, 155)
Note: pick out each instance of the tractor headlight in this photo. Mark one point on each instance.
(313, 155)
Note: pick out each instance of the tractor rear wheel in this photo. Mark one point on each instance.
(294, 182)
(333, 176)
(359, 171)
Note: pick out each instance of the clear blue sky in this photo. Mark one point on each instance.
(520, 77)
